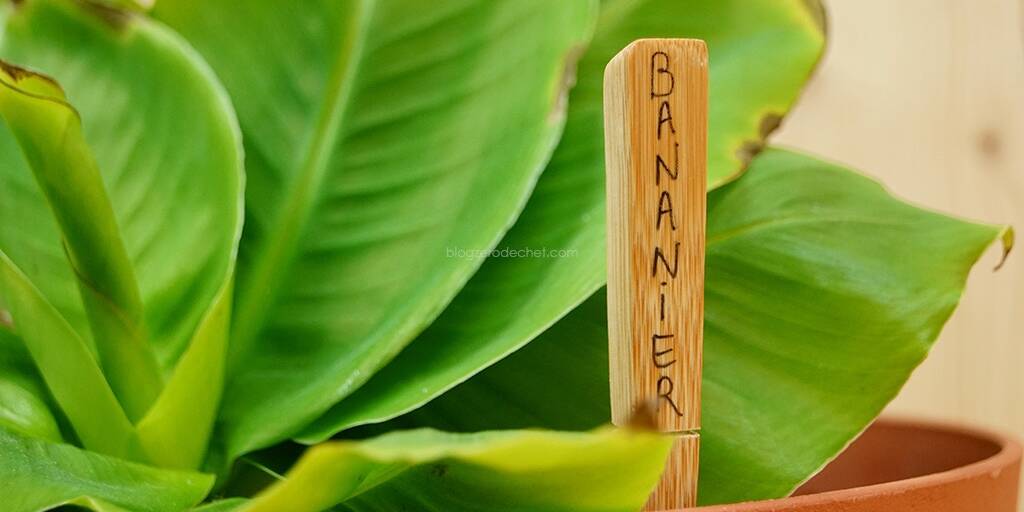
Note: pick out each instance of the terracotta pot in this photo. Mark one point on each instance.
(898, 466)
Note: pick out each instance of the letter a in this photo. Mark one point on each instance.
(665, 116)
(662, 210)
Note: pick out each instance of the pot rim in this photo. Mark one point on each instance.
(1009, 452)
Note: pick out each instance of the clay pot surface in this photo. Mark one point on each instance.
(905, 466)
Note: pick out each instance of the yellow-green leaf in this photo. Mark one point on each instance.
(530, 471)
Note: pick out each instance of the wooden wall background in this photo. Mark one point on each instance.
(928, 96)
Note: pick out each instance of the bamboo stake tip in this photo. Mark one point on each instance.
(695, 49)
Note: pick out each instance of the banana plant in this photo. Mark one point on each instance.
(231, 231)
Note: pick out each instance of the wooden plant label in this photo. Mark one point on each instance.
(655, 104)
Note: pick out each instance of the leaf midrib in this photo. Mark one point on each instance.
(272, 256)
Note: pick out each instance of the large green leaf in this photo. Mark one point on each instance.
(553, 258)
(606, 471)
(380, 136)
(822, 294)
(38, 475)
(169, 150)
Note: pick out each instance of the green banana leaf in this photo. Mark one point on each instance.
(39, 475)
(823, 293)
(557, 244)
(609, 470)
(23, 407)
(24, 402)
(168, 149)
(381, 137)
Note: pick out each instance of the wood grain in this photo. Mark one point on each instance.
(656, 142)
(656, 215)
(674, 493)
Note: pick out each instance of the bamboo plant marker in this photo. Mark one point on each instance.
(655, 108)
